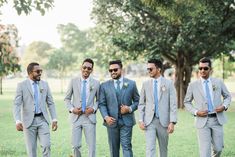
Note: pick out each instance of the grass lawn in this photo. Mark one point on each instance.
(182, 143)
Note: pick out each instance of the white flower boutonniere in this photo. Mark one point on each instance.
(125, 85)
(91, 88)
(163, 88)
(40, 88)
(214, 87)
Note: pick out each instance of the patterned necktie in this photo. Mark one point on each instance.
(118, 91)
(156, 98)
(84, 96)
(35, 88)
(208, 97)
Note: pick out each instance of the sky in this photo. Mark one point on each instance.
(35, 27)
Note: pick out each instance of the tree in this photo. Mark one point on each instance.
(8, 57)
(61, 61)
(37, 51)
(26, 6)
(179, 31)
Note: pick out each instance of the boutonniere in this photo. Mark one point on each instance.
(91, 88)
(40, 88)
(163, 88)
(125, 85)
(214, 87)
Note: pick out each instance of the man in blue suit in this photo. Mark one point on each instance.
(119, 98)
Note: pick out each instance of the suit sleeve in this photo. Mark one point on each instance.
(102, 102)
(50, 103)
(142, 104)
(173, 104)
(95, 107)
(18, 103)
(135, 98)
(68, 96)
(188, 100)
(226, 95)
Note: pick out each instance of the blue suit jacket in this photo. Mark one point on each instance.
(108, 103)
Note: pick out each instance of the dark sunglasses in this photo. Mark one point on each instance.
(204, 68)
(150, 69)
(113, 70)
(88, 68)
(38, 71)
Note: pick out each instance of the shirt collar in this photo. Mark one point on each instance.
(203, 80)
(87, 80)
(120, 79)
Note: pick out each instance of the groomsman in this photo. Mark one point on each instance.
(32, 102)
(157, 109)
(82, 102)
(208, 109)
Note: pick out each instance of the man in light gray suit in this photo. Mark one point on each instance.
(82, 102)
(118, 100)
(208, 109)
(32, 101)
(157, 109)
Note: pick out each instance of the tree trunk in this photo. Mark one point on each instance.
(183, 72)
(1, 86)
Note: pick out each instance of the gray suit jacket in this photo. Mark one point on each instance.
(73, 97)
(166, 102)
(24, 102)
(108, 103)
(195, 92)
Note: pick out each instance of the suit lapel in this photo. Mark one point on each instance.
(200, 87)
(124, 87)
(213, 83)
(91, 88)
(150, 88)
(112, 89)
(162, 85)
(29, 86)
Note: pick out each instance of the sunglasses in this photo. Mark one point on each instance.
(113, 70)
(38, 71)
(204, 68)
(150, 69)
(88, 68)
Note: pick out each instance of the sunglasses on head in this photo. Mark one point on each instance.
(204, 68)
(88, 68)
(38, 71)
(113, 70)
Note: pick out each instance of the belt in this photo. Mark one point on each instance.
(212, 115)
(38, 114)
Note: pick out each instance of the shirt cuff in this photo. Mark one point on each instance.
(225, 107)
(130, 109)
(195, 113)
(18, 121)
(54, 120)
(71, 110)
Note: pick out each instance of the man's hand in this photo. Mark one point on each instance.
(77, 111)
(220, 108)
(202, 113)
(110, 120)
(54, 126)
(170, 128)
(142, 126)
(89, 110)
(19, 127)
(124, 109)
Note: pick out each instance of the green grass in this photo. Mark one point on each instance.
(182, 143)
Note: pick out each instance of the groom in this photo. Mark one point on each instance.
(118, 100)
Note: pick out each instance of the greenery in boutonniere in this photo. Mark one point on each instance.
(214, 87)
(125, 85)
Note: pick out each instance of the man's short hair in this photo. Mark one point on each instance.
(31, 66)
(119, 62)
(89, 61)
(205, 60)
(157, 62)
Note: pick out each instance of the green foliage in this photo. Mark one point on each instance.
(26, 6)
(37, 51)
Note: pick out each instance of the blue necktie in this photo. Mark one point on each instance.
(84, 96)
(208, 96)
(118, 91)
(35, 88)
(156, 98)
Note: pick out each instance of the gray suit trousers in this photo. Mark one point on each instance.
(39, 129)
(156, 130)
(211, 136)
(84, 123)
